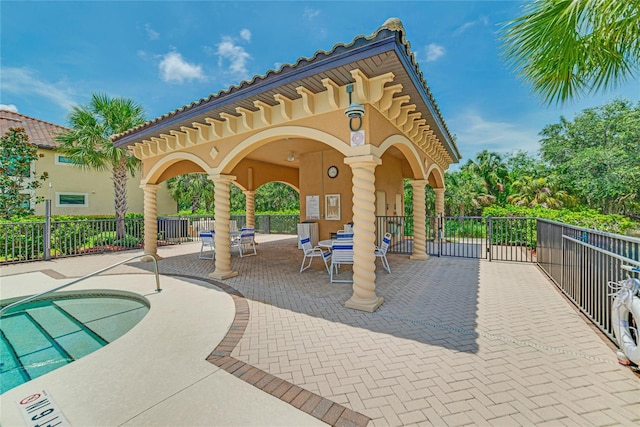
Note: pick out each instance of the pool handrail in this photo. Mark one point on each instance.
(80, 279)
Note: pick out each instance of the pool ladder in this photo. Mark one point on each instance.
(146, 257)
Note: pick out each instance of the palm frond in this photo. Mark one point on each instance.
(565, 48)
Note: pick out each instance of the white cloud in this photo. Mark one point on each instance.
(24, 81)
(482, 21)
(173, 68)
(310, 14)
(9, 107)
(235, 54)
(434, 52)
(151, 33)
(245, 34)
(475, 133)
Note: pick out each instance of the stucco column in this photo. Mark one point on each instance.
(250, 208)
(150, 219)
(223, 219)
(439, 208)
(364, 226)
(419, 220)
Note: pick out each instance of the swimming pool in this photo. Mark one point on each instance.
(43, 335)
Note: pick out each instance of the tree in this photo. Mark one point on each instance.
(491, 168)
(16, 178)
(569, 47)
(193, 190)
(595, 157)
(532, 192)
(89, 146)
(276, 196)
(465, 192)
(522, 163)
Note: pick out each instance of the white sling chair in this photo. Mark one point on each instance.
(245, 242)
(311, 252)
(341, 253)
(208, 241)
(381, 251)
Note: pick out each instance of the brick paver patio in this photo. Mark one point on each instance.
(456, 342)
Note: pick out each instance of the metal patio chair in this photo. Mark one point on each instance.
(208, 241)
(341, 254)
(311, 252)
(381, 251)
(342, 234)
(245, 242)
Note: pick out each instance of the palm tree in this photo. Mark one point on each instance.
(194, 190)
(491, 168)
(89, 146)
(465, 193)
(567, 47)
(531, 192)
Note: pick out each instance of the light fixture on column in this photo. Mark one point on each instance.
(291, 157)
(355, 111)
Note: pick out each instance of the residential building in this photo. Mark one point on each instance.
(74, 190)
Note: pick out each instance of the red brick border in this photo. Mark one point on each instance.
(317, 406)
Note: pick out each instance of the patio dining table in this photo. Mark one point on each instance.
(326, 243)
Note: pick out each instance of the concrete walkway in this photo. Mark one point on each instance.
(456, 342)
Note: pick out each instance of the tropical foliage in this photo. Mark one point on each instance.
(193, 191)
(565, 48)
(89, 146)
(17, 181)
(596, 156)
(582, 217)
(591, 161)
(195, 194)
(529, 191)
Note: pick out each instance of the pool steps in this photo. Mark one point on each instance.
(72, 331)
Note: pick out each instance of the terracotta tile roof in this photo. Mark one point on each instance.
(40, 133)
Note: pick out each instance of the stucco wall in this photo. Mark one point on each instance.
(98, 187)
(315, 181)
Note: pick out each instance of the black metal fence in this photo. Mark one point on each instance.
(500, 239)
(582, 262)
(41, 240)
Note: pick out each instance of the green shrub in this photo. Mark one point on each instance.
(69, 237)
(465, 227)
(22, 240)
(581, 217)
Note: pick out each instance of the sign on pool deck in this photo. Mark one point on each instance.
(39, 409)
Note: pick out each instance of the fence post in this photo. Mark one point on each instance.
(47, 230)
(490, 237)
(440, 225)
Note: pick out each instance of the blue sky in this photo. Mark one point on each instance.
(166, 54)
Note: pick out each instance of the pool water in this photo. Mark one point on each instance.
(41, 336)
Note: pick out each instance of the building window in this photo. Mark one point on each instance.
(63, 160)
(26, 203)
(64, 200)
(16, 169)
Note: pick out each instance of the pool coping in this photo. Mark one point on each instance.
(306, 401)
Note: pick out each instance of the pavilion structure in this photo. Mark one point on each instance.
(344, 127)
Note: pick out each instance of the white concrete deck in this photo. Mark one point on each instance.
(156, 374)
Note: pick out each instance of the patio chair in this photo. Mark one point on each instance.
(245, 242)
(311, 252)
(341, 253)
(208, 241)
(381, 251)
(342, 234)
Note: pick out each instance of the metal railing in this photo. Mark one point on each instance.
(73, 282)
(46, 239)
(581, 262)
(492, 238)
